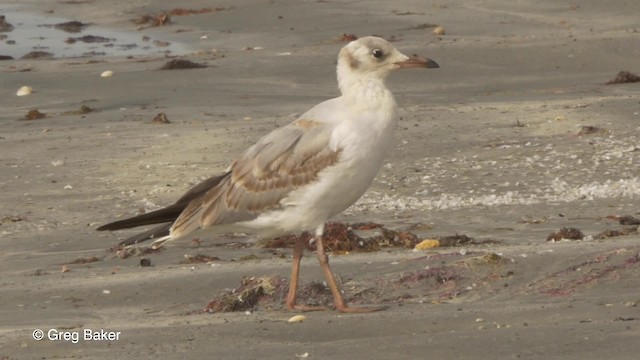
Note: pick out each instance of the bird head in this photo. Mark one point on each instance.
(372, 57)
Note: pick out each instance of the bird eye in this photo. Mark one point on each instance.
(377, 53)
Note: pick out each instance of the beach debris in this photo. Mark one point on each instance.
(625, 220)
(303, 355)
(180, 64)
(405, 13)
(37, 55)
(461, 239)
(145, 262)
(65, 269)
(342, 238)
(25, 90)
(427, 244)
(422, 26)
(93, 53)
(297, 319)
(533, 220)
(347, 37)
(161, 118)
(615, 233)
(624, 77)
(602, 268)
(160, 43)
(566, 234)
(4, 25)
(12, 219)
(247, 295)
(249, 257)
(71, 26)
(124, 252)
(199, 258)
(184, 12)
(6, 57)
(153, 20)
(84, 109)
(439, 30)
(438, 274)
(492, 258)
(591, 130)
(106, 292)
(89, 39)
(106, 73)
(34, 114)
(81, 261)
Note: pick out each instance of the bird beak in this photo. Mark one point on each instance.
(416, 62)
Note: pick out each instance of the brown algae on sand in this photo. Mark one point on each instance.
(566, 233)
(181, 64)
(34, 114)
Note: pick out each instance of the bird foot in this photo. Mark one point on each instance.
(305, 308)
(363, 309)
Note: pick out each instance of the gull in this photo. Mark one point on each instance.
(298, 176)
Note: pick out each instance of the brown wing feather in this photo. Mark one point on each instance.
(280, 162)
(169, 213)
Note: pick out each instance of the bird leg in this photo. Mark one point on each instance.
(298, 251)
(331, 281)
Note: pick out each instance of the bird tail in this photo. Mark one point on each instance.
(158, 243)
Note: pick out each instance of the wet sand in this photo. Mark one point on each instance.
(492, 145)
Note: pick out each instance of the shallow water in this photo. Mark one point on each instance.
(33, 32)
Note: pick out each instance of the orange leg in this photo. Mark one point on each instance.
(331, 281)
(298, 251)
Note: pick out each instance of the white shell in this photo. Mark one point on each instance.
(297, 319)
(107, 73)
(25, 90)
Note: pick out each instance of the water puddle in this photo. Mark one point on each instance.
(32, 36)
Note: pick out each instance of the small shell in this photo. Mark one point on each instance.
(297, 319)
(427, 244)
(439, 30)
(25, 90)
(107, 73)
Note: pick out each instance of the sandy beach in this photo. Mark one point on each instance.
(515, 137)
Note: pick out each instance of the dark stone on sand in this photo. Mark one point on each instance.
(566, 233)
(34, 114)
(89, 39)
(4, 25)
(161, 118)
(624, 77)
(38, 55)
(179, 64)
(71, 26)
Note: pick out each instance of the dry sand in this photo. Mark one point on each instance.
(487, 147)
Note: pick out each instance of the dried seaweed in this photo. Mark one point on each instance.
(624, 77)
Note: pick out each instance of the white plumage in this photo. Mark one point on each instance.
(297, 177)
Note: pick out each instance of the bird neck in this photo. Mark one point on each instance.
(361, 87)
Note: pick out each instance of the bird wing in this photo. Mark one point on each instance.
(169, 213)
(280, 162)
